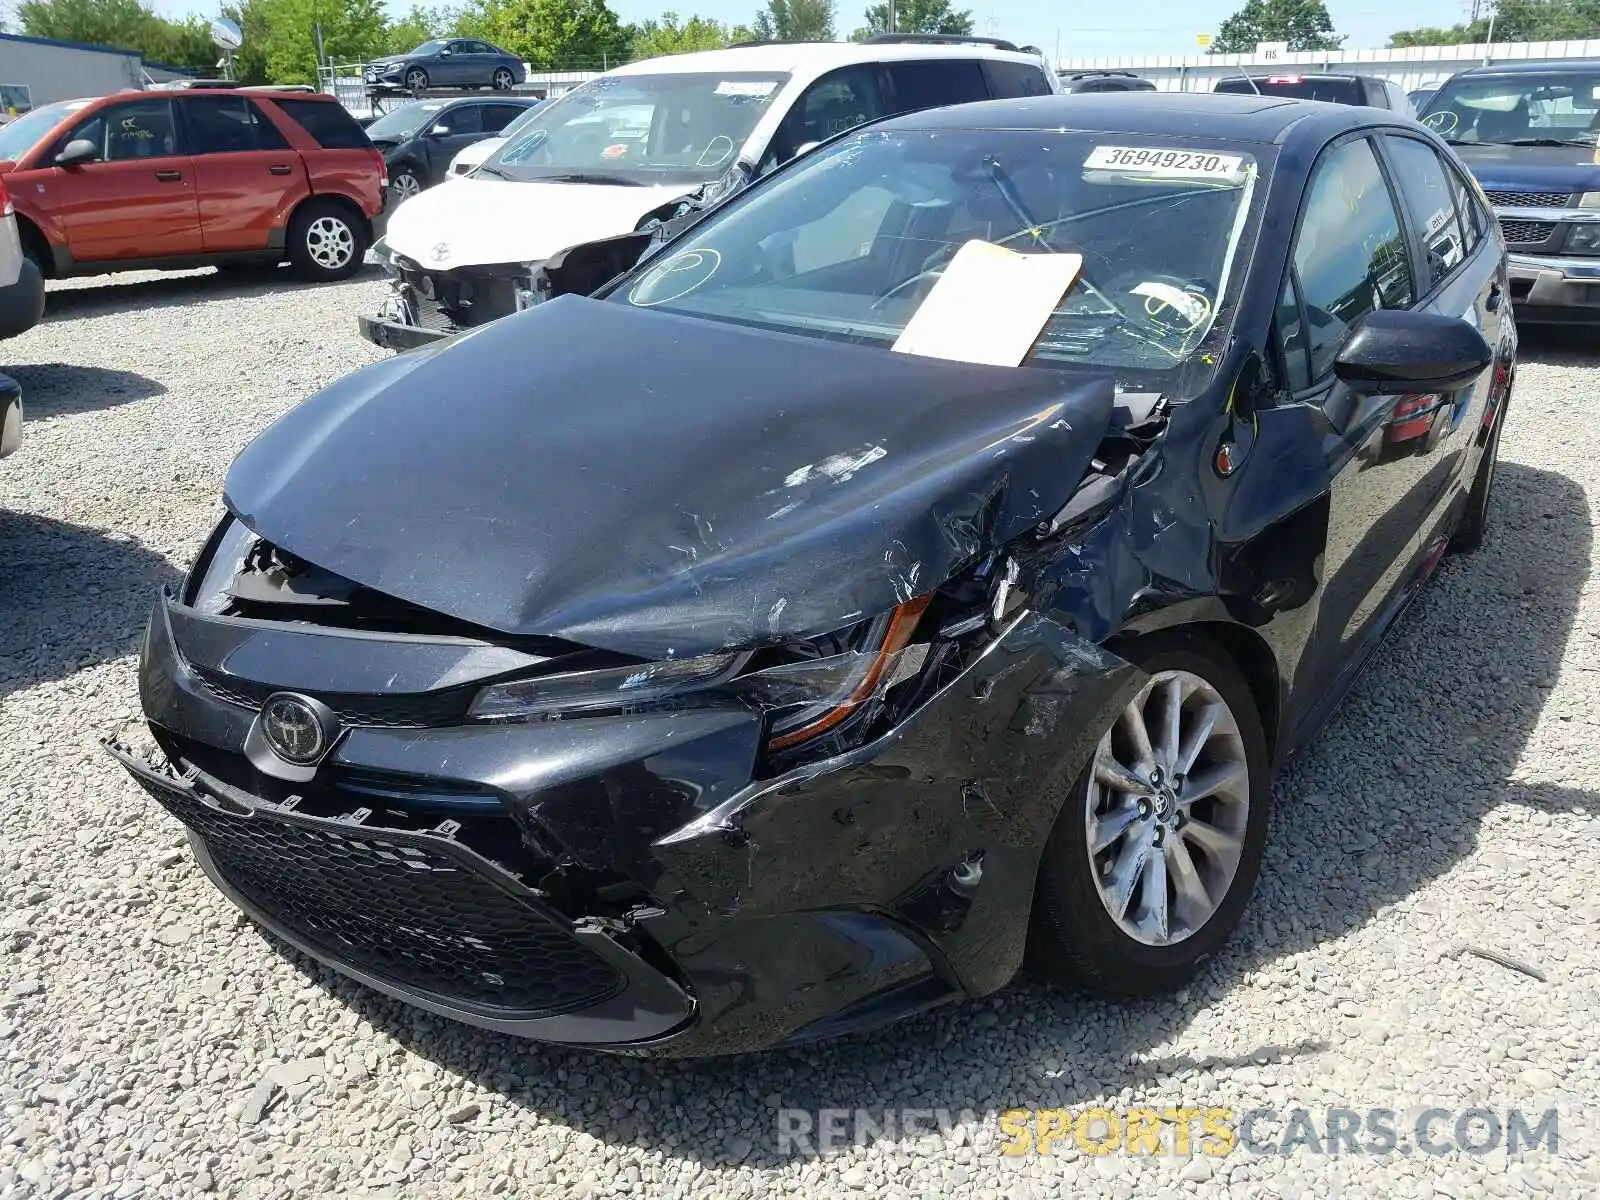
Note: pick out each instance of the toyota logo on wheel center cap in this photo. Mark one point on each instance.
(294, 729)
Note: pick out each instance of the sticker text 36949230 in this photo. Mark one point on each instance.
(1165, 163)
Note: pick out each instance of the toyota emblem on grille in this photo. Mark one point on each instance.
(440, 252)
(293, 729)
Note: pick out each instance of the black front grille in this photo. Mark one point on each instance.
(1526, 233)
(414, 910)
(1530, 199)
(412, 710)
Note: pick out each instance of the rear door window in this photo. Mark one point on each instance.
(328, 122)
(1008, 80)
(227, 125)
(921, 85)
(1429, 206)
(497, 116)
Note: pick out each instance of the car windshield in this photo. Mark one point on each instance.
(405, 120)
(425, 49)
(641, 129)
(21, 135)
(849, 242)
(1561, 107)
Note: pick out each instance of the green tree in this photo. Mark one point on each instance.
(1515, 21)
(1304, 24)
(123, 24)
(795, 21)
(915, 16)
(669, 34)
(352, 31)
(548, 34)
(410, 31)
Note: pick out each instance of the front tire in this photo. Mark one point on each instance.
(416, 79)
(503, 81)
(406, 183)
(1155, 855)
(326, 242)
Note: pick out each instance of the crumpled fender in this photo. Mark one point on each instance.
(978, 772)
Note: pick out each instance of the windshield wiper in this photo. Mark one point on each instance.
(1544, 141)
(591, 177)
(495, 171)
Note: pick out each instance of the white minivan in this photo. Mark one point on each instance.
(601, 160)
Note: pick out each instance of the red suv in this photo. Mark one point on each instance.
(182, 179)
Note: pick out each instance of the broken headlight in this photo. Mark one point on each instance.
(608, 688)
(214, 573)
(814, 696)
(811, 689)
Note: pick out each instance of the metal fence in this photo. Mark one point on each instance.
(1414, 67)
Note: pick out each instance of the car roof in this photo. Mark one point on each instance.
(790, 57)
(1546, 67)
(1245, 118)
(1264, 76)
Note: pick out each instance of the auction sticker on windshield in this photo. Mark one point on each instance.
(732, 87)
(1167, 164)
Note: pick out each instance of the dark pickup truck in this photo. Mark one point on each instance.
(1529, 132)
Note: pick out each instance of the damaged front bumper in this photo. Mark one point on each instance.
(425, 306)
(628, 881)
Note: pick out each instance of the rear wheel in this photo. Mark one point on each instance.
(416, 79)
(326, 241)
(503, 80)
(1155, 855)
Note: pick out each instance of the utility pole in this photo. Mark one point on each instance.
(891, 17)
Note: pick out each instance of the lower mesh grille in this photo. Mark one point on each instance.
(413, 910)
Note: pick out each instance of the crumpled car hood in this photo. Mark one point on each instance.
(660, 485)
(486, 222)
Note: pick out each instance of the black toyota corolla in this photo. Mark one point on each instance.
(686, 669)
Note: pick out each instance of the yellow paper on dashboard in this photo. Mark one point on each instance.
(989, 306)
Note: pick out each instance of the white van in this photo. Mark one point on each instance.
(597, 162)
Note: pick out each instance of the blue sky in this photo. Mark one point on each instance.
(1122, 27)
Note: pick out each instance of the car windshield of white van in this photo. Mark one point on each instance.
(1561, 108)
(639, 129)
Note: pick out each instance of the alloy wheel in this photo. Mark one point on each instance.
(417, 80)
(330, 242)
(405, 185)
(502, 80)
(1167, 809)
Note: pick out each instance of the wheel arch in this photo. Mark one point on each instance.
(33, 238)
(1244, 647)
(339, 198)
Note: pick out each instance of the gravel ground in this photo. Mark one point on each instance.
(153, 1043)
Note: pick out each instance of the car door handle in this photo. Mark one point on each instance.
(169, 176)
(1493, 302)
(279, 169)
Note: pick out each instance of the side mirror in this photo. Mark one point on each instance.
(1395, 351)
(439, 130)
(446, 52)
(76, 152)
